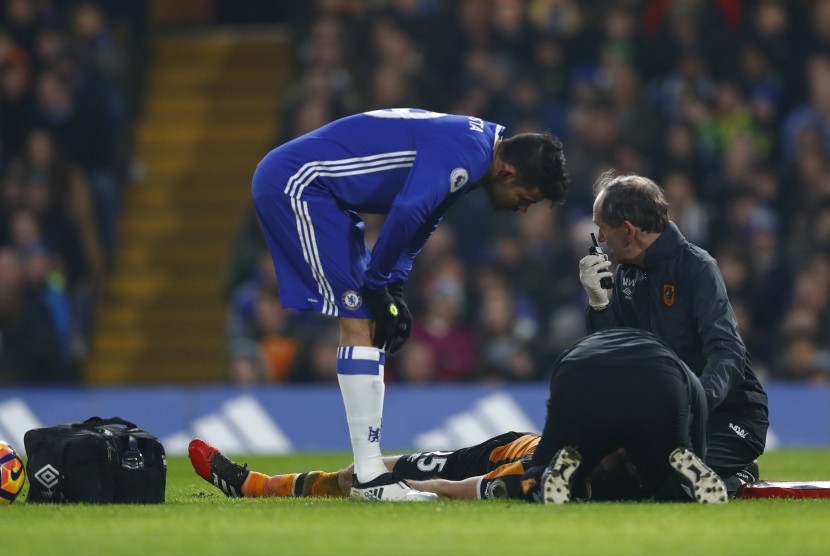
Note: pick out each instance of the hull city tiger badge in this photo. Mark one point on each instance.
(668, 295)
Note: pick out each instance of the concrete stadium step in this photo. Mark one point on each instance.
(206, 149)
(164, 224)
(174, 368)
(162, 302)
(220, 45)
(157, 283)
(243, 107)
(199, 188)
(187, 78)
(173, 137)
(168, 173)
(203, 259)
(161, 316)
(204, 195)
(168, 336)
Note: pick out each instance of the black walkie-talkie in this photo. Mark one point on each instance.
(606, 282)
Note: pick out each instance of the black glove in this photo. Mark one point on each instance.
(404, 328)
(389, 327)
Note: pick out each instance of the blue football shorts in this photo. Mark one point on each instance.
(318, 249)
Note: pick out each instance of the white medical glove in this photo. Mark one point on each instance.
(592, 269)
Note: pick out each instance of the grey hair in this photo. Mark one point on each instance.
(634, 198)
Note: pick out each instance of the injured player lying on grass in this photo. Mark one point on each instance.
(617, 391)
(498, 462)
(493, 469)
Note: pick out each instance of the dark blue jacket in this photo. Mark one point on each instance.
(679, 295)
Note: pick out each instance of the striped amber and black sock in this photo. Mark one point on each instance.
(255, 485)
(320, 483)
(311, 484)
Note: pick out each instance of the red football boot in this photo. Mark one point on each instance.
(209, 463)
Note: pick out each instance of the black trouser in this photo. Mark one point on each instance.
(733, 445)
(646, 410)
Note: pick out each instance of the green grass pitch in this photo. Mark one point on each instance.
(198, 520)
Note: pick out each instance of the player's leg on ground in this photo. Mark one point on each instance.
(237, 481)
(313, 484)
(466, 489)
(360, 375)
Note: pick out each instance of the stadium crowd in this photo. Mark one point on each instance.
(725, 104)
(65, 111)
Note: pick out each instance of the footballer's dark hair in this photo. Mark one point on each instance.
(634, 198)
(539, 160)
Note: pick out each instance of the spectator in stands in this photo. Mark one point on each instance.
(685, 210)
(440, 327)
(17, 104)
(69, 203)
(61, 158)
(504, 339)
(278, 345)
(317, 360)
(30, 351)
(85, 130)
(802, 359)
(417, 363)
(246, 365)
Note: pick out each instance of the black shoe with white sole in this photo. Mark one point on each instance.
(699, 481)
(557, 478)
(388, 488)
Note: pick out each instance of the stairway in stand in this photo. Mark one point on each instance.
(209, 117)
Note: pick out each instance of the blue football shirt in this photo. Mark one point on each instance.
(406, 163)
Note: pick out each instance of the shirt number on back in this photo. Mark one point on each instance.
(405, 114)
(432, 461)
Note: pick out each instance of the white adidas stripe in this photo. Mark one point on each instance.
(304, 176)
(305, 228)
(222, 485)
(290, 187)
(305, 231)
(316, 253)
(362, 170)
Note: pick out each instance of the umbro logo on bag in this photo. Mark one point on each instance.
(48, 476)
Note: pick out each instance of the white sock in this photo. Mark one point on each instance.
(360, 374)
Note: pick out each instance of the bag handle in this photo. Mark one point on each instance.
(94, 422)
